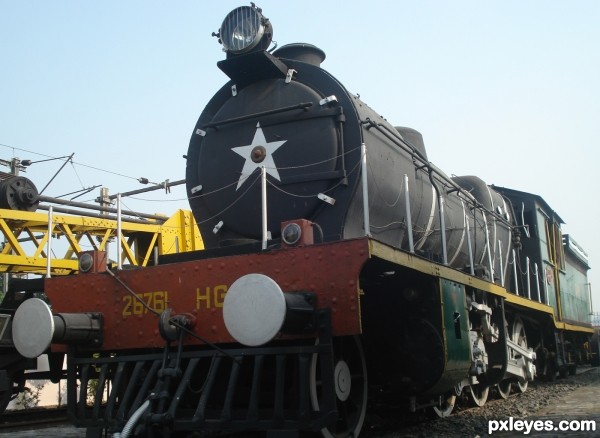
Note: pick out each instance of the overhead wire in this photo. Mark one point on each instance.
(72, 162)
(233, 203)
(354, 169)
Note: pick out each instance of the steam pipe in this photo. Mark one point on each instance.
(365, 190)
(440, 199)
(411, 244)
(89, 214)
(119, 232)
(263, 191)
(501, 263)
(515, 272)
(150, 189)
(470, 245)
(98, 208)
(49, 244)
(528, 278)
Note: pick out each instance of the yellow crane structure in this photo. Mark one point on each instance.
(45, 236)
(26, 235)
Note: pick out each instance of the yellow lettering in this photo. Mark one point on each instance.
(159, 301)
(127, 306)
(140, 304)
(219, 295)
(200, 297)
(138, 307)
(211, 296)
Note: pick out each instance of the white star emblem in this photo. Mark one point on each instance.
(258, 154)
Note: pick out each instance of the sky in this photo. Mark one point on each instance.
(506, 90)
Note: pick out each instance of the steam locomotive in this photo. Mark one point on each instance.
(339, 262)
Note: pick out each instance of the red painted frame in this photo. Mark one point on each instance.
(198, 287)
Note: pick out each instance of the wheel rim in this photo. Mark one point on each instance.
(446, 407)
(504, 389)
(350, 380)
(479, 394)
(519, 338)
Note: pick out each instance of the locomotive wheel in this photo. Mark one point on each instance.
(6, 396)
(479, 394)
(350, 380)
(563, 372)
(447, 405)
(504, 389)
(518, 337)
(15, 385)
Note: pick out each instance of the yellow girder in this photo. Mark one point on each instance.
(26, 238)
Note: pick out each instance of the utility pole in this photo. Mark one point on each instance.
(104, 199)
(15, 166)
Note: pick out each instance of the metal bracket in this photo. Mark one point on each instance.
(328, 99)
(170, 327)
(491, 333)
(168, 331)
(217, 227)
(323, 197)
(289, 76)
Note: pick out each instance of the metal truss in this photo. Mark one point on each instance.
(26, 235)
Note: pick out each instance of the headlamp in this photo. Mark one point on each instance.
(291, 233)
(92, 261)
(86, 262)
(243, 29)
(297, 232)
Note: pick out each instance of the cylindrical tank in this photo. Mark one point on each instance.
(306, 130)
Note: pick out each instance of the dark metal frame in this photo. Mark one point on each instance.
(166, 377)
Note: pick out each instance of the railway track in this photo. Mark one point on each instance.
(386, 420)
(11, 421)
